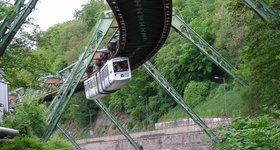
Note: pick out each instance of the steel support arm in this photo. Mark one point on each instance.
(261, 8)
(63, 96)
(118, 125)
(187, 32)
(177, 97)
(10, 26)
(69, 137)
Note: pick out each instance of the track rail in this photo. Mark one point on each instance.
(144, 26)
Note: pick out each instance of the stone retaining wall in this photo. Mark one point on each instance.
(189, 122)
(175, 135)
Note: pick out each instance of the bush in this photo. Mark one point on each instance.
(24, 142)
(57, 143)
(196, 92)
(250, 134)
(28, 118)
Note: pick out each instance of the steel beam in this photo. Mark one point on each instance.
(187, 32)
(63, 96)
(69, 137)
(10, 26)
(118, 125)
(177, 97)
(261, 8)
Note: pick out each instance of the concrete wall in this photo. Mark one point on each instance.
(183, 141)
(189, 122)
(185, 135)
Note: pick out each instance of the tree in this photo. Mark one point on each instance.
(257, 44)
(22, 66)
(127, 98)
(71, 40)
(261, 62)
(179, 62)
(196, 92)
(90, 13)
(81, 109)
(6, 9)
(28, 118)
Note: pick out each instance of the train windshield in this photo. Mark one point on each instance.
(120, 66)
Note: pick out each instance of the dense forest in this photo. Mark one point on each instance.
(251, 44)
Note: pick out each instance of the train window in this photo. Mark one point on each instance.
(120, 66)
(90, 84)
(94, 82)
(105, 72)
(86, 86)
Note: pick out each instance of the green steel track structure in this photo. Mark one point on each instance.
(69, 137)
(74, 73)
(178, 98)
(183, 29)
(67, 89)
(118, 125)
(262, 9)
(10, 26)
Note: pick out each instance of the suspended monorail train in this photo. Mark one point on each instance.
(112, 76)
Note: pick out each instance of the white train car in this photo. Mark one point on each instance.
(112, 76)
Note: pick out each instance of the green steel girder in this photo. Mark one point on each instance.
(10, 26)
(69, 137)
(187, 32)
(118, 125)
(64, 73)
(261, 8)
(177, 97)
(63, 96)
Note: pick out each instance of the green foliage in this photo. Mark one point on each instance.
(28, 118)
(81, 109)
(48, 43)
(250, 134)
(229, 29)
(175, 113)
(247, 42)
(90, 13)
(57, 143)
(213, 105)
(253, 45)
(74, 32)
(6, 9)
(179, 62)
(128, 99)
(62, 43)
(196, 92)
(26, 68)
(21, 65)
(261, 63)
(24, 143)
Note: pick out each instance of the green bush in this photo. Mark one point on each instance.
(28, 143)
(28, 118)
(250, 134)
(196, 92)
(57, 143)
(23, 143)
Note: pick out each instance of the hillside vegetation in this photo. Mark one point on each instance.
(246, 41)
